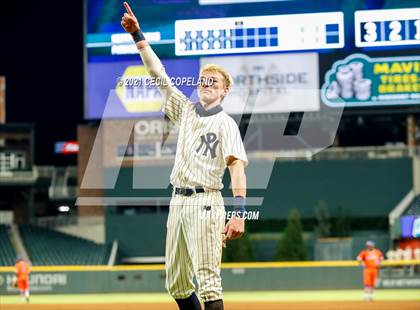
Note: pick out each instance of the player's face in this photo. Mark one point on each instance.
(212, 87)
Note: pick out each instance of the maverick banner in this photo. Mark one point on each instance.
(360, 81)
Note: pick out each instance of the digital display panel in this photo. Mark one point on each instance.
(410, 226)
(259, 34)
(367, 58)
(387, 27)
(212, 2)
(359, 81)
(121, 89)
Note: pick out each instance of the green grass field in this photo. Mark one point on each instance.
(268, 296)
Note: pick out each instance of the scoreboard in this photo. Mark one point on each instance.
(364, 58)
(272, 33)
(259, 34)
(387, 27)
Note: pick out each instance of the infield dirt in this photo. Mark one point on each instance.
(350, 305)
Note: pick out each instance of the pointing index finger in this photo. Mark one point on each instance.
(128, 9)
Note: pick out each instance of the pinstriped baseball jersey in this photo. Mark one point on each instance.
(207, 138)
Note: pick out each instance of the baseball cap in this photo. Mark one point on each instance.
(370, 243)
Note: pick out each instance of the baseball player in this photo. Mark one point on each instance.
(370, 259)
(22, 272)
(208, 142)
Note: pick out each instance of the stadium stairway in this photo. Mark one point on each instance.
(49, 247)
(7, 251)
(17, 242)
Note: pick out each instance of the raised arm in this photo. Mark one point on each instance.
(130, 24)
(174, 100)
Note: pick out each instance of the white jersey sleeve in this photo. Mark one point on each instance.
(231, 143)
(173, 99)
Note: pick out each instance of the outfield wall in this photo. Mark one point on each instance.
(364, 188)
(236, 277)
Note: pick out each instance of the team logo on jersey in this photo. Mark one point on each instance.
(209, 142)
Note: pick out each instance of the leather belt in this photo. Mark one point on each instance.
(189, 191)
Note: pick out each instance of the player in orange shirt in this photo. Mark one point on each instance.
(22, 271)
(370, 259)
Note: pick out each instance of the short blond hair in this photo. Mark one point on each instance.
(218, 69)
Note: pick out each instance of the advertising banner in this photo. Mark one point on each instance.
(399, 282)
(271, 83)
(362, 81)
(410, 226)
(45, 282)
(139, 140)
(124, 89)
(66, 147)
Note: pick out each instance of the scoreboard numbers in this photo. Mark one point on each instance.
(417, 26)
(251, 34)
(387, 27)
(395, 31)
(370, 35)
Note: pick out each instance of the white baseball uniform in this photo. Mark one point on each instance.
(206, 139)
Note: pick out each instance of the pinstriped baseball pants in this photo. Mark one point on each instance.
(194, 245)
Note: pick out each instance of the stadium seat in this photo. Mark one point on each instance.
(49, 247)
(7, 252)
(414, 208)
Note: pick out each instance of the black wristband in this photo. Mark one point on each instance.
(138, 36)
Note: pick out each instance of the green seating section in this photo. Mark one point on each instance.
(7, 252)
(49, 247)
(414, 208)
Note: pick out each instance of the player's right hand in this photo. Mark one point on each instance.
(129, 21)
